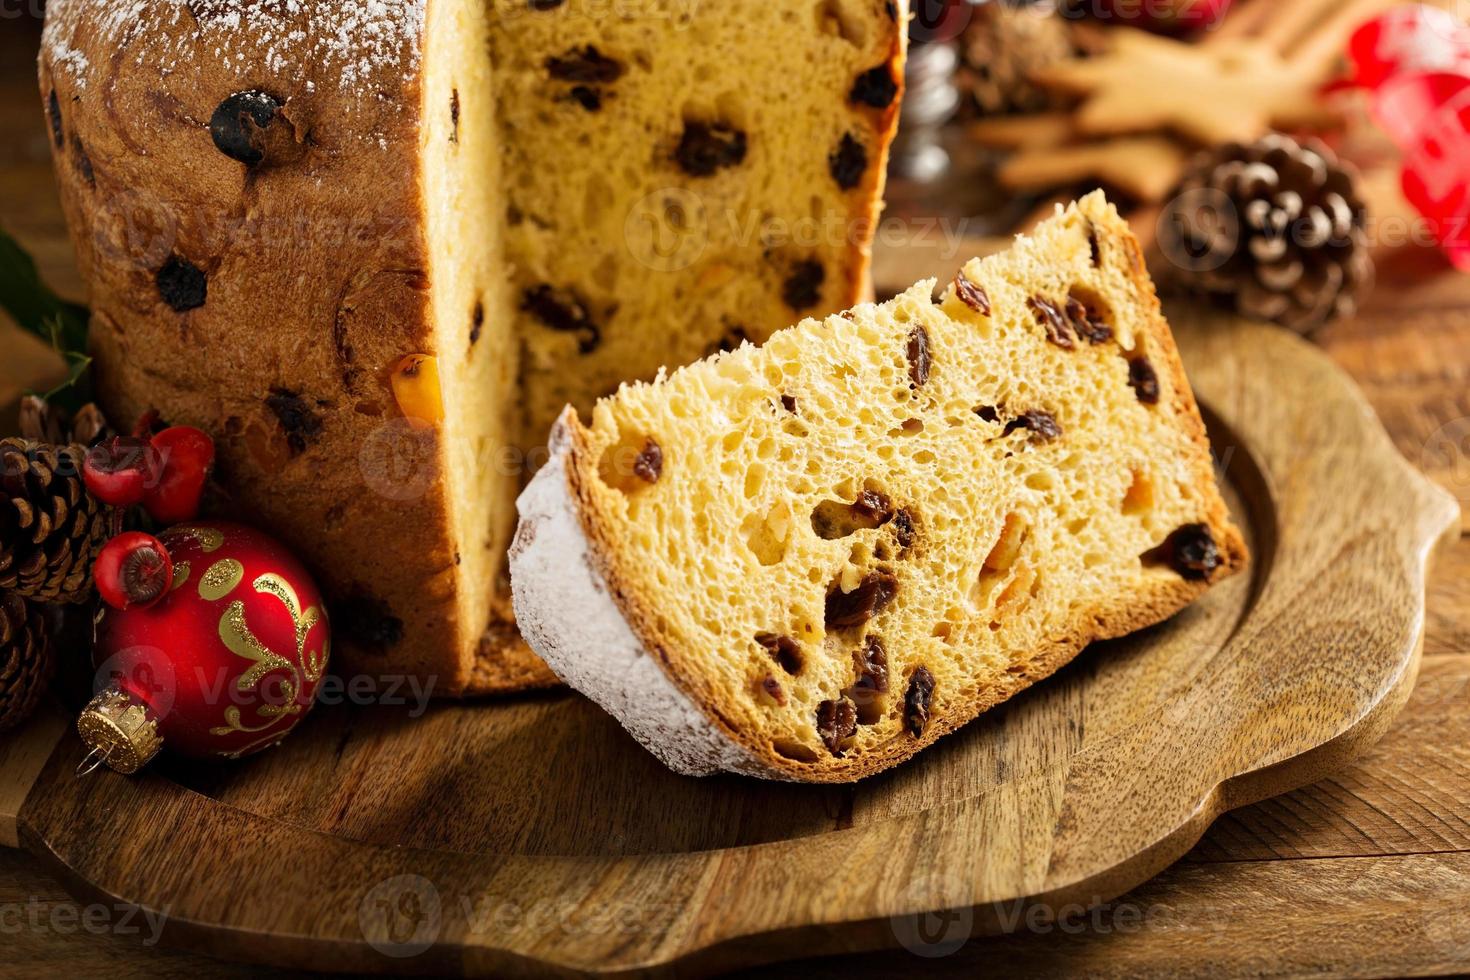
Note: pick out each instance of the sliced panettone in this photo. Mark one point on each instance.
(808, 561)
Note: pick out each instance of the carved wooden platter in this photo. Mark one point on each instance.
(532, 835)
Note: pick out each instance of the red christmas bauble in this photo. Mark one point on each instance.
(226, 664)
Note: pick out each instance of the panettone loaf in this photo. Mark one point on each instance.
(809, 561)
(277, 203)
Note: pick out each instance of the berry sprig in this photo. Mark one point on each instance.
(165, 473)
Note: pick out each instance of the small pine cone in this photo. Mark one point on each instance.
(26, 660)
(50, 527)
(1278, 227)
(1003, 45)
(41, 421)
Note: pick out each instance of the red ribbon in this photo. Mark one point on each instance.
(1415, 63)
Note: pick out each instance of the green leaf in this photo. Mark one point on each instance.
(33, 305)
(39, 311)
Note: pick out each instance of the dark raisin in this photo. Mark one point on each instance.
(730, 340)
(1191, 551)
(836, 723)
(872, 666)
(544, 4)
(875, 87)
(297, 419)
(788, 403)
(916, 702)
(367, 622)
(1086, 322)
(872, 507)
(1143, 380)
(783, 649)
(649, 465)
(564, 311)
(920, 358)
(803, 287)
(972, 295)
(988, 413)
(182, 284)
(855, 608)
(239, 125)
(84, 162)
(53, 115)
(772, 687)
(454, 116)
(707, 147)
(1095, 244)
(848, 162)
(904, 527)
(587, 97)
(1057, 330)
(477, 322)
(587, 65)
(1042, 425)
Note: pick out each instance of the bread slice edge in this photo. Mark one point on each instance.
(570, 610)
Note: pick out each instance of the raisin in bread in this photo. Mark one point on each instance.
(277, 204)
(808, 561)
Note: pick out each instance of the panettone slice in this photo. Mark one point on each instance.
(809, 561)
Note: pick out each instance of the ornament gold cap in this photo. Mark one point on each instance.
(119, 731)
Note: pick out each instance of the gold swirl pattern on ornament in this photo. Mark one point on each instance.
(235, 633)
(311, 665)
(181, 576)
(209, 539)
(220, 579)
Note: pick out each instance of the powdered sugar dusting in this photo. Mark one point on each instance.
(568, 616)
(343, 44)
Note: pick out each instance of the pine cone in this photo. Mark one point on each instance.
(26, 661)
(50, 527)
(42, 421)
(1004, 43)
(1278, 226)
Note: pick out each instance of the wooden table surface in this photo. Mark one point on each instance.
(1363, 874)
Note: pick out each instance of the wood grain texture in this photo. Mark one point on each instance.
(460, 821)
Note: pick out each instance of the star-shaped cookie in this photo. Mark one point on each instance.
(1232, 91)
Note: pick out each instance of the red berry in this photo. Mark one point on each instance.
(120, 470)
(186, 455)
(133, 569)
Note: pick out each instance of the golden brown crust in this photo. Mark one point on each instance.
(860, 280)
(1163, 595)
(316, 286)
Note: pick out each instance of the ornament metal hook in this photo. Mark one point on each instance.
(91, 762)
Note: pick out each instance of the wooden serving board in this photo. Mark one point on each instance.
(532, 835)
